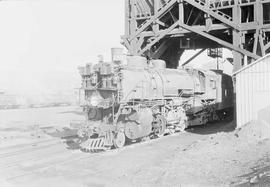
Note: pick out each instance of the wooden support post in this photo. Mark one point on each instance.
(237, 57)
(124, 41)
(258, 15)
(243, 41)
(255, 45)
(133, 26)
(208, 20)
(181, 11)
(156, 7)
(181, 21)
(127, 16)
(261, 44)
(139, 43)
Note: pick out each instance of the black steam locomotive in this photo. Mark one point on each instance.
(144, 98)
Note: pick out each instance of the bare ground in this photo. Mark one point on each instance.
(214, 155)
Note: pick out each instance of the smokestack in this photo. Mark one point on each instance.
(117, 55)
(100, 58)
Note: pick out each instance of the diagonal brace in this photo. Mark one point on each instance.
(161, 12)
(147, 47)
(213, 14)
(221, 42)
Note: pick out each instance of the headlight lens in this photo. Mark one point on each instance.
(95, 99)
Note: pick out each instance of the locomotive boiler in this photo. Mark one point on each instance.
(145, 99)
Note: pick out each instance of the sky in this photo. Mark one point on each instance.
(42, 42)
(205, 62)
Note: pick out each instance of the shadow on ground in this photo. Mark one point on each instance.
(73, 112)
(69, 135)
(259, 178)
(227, 125)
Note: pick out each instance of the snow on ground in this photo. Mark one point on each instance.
(213, 155)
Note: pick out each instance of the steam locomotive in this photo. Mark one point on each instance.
(145, 99)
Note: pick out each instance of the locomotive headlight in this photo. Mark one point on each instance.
(95, 99)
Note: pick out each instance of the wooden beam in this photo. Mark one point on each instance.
(262, 44)
(160, 50)
(162, 11)
(237, 41)
(127, 15)
(157, 23)
(213, 14)
(133, 25)
(267, 46)
(258, 16)
(197, 18)
(125, 42)
(193, 57)
(265, 1)
(161, 23)
(150, 4)
(214, 27)
(208, 19)
(255, 45)
(139, 43)
(221, 42)
(181, 11)
(141, 6)
(147, 47)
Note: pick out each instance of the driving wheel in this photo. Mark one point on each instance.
(119, 139)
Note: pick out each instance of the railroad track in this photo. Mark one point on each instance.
(14, 155)
(32, 156)
(46, 156)
(5, 152)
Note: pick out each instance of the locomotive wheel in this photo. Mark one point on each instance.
(119, 139)
(160, 126)
(93, 113)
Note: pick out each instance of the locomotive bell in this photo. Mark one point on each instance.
(158, 64)
(137, 61)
